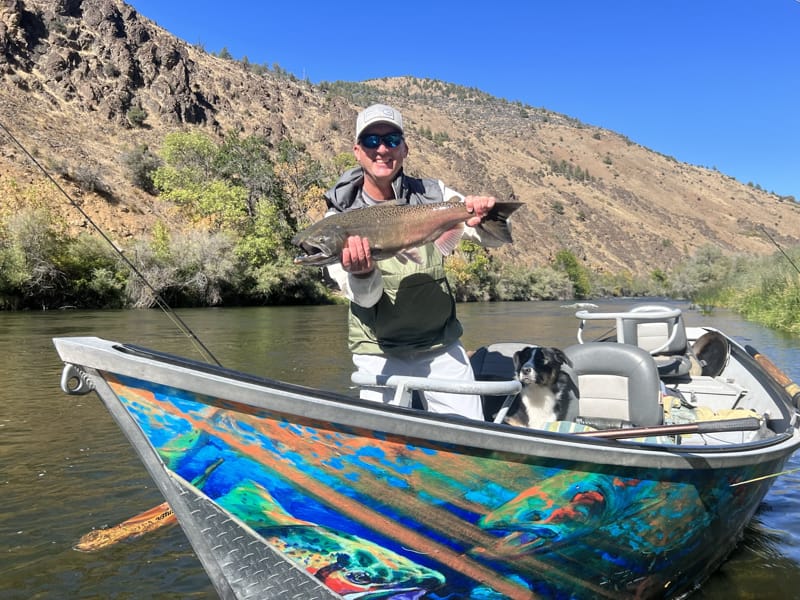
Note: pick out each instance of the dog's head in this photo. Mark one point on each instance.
(539, 365)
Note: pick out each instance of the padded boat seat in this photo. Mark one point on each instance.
(664, 339)
(618, 384)
(495, 363)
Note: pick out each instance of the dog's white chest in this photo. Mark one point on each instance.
(540, 404)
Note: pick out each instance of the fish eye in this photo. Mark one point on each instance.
(359, 577)
(533, 515)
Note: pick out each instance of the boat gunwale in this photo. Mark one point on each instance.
(288, 398)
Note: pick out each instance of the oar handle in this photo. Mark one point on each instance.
(723, 425)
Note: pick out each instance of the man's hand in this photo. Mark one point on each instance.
(356, 257)
(480, 207)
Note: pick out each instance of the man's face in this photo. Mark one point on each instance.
(381, 163)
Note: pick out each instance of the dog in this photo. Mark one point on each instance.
(547, 390)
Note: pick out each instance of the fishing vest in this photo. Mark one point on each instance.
(417, 310)
(346, 194)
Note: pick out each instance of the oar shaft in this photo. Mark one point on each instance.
(703, 427)
(779, 376)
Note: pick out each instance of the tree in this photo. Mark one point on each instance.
(469, 272)
(577, 273)
(136, 116)
(194, 176)
(246, 162)
(239, 189)
(302, 179)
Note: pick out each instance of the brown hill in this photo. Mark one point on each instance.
(72, 70)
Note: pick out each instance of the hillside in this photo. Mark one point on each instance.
(72, 70)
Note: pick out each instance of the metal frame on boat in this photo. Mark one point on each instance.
(290, 492)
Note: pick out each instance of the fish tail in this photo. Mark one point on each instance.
(496, 222)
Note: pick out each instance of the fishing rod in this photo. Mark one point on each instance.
(161, 515)
(162, 304)
(778, 246)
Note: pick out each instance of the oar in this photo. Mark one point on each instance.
(779, 376)
(145, 522)
(723, 425)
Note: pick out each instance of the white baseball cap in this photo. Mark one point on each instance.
(378, 113)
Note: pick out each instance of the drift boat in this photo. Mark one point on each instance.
(290, 492)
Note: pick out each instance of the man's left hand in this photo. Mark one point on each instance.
(480, 207)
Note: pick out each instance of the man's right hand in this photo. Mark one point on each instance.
(356, 257)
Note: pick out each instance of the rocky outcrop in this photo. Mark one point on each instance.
(101, 56)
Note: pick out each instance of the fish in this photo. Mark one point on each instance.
(652, 516)
(394, 228)
(351, 566)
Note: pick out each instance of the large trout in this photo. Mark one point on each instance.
(393, 228)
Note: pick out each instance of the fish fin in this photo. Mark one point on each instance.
(448, 241)
(496, 222)
(393, 202)
(412, 254)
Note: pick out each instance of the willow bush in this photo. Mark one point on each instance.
(42, 268)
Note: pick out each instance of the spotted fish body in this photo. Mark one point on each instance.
(353, 567)
(653, 516)
(393, 228)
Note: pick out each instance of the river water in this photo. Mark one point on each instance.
(65, 468)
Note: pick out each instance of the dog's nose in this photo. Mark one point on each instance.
(527, 370)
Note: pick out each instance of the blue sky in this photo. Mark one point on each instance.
(710, 82)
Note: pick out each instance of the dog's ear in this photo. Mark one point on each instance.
(561, 357)
(522, 356)
(517, 359)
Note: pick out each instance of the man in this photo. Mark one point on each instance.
(402, 313)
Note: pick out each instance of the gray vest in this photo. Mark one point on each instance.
(346, 194)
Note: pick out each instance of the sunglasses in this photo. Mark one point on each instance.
(372, 141)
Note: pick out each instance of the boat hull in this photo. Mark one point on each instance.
(289, 492)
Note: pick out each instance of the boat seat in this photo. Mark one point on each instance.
(619, 385)
(657, 329)
(495, 363)
(665, 339)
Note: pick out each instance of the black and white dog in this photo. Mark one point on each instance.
(546, 389)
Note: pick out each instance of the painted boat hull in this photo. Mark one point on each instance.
(287, 492)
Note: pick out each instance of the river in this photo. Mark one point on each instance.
(65, 468)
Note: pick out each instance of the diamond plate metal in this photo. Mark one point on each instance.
(249, 567)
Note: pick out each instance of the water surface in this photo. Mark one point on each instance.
(65, 467)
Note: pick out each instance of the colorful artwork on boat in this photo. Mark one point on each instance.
(374, 516)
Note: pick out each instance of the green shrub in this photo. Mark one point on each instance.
(566, 261)
(136, 116)
(141, 163)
